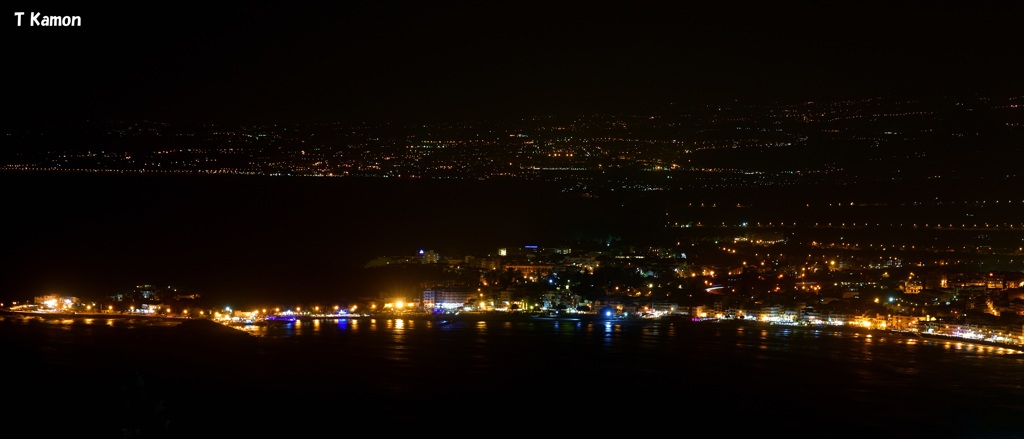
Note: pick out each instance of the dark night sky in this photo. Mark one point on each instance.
(361, 60)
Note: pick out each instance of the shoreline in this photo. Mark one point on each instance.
(204, 324)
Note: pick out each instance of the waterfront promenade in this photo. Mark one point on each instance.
(198, 326)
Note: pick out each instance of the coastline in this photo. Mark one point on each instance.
(207, 327)
(955, 339)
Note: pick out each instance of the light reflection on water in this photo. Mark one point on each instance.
(871, 378)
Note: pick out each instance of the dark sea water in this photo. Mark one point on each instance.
(138, 377)
(252, 241)
(259, 241)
